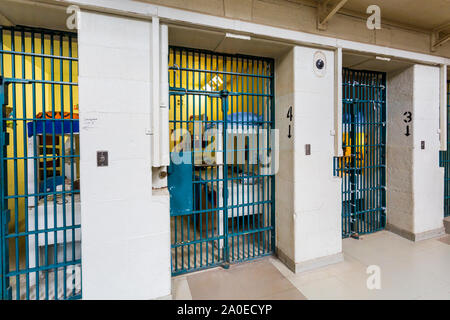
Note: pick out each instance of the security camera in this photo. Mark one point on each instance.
(320, 63)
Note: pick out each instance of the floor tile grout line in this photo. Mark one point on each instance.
(288, 278)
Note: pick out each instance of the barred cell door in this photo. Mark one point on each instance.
(221, 180)
(39, 165)
(363, 164)
(444, 160)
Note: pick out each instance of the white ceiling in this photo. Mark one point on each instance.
(33, 15)
(368, 62)
(217, 41)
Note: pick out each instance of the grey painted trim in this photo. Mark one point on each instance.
(430, 234)
(309, 264)
(447, 225)
(288, 262)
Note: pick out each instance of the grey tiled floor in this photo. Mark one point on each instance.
(408, 271)
(259, 279)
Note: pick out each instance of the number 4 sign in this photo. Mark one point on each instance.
(289, 116)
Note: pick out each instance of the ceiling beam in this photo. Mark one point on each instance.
(323, 14)
(439, 42)
(437, 39)
(442, 27)
(4, 20)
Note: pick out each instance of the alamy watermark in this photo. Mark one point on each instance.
(374, 280)
(374, 20)
(73, 278)
(240, 146)
(73, 20)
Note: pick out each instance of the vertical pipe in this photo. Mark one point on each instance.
(443, 107)
(164, 95)
(338, 102)
(155, 92)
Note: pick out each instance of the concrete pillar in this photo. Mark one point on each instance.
(125, 230)
(414, 178)
(308, 195)
(284, 178)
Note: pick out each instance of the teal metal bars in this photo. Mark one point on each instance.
(363, 165)
(444, 160)
(39, 165)
(4, 212)
(221, 113)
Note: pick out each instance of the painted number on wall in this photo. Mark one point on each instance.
(407, 119)
(289, 116)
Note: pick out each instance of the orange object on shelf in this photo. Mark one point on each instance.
(49, 115)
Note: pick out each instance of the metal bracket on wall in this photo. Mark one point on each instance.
(324, 14)
(437, 39)
(4, 139)
(4, 83)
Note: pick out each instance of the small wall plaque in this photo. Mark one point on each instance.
(307, 149)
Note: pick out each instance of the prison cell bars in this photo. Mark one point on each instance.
(444, 160)
(26, 77)
(364, 137)
(186, 69)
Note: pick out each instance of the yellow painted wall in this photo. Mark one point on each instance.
(183, 107)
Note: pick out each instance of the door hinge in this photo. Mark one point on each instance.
(4, 139)
(6, 217)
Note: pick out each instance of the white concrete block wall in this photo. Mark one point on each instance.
(308, 196)
(125, 233)
(428, 179)
(414, 178)
(284, 179)
(317, 200)
(399, 150)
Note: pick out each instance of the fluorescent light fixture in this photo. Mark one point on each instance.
(383, 58)
(237, 36)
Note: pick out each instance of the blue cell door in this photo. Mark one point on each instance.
(40, 223)
(362, 167)
(444, 160)
(221, 111)
(180, 183)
